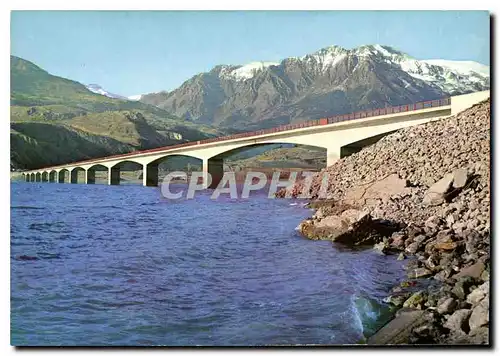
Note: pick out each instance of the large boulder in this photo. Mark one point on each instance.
(479, 293)
(416, 300)
(446, 305)
(457, 322)
(380, 190)
(480, 315)
(460, 178)
(473, 271)
(351, 227)
(436, 194)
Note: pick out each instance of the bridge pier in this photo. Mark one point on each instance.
(60, 176)
(214, 166)
(52, 177)
(74, 176)
(150, 175)
(89, 176)
(114, 176)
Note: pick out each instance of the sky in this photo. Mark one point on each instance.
(138, 52)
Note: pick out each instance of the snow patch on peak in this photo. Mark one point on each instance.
(387, 52)
(383, 50)
(97, 89)
(327, 57)
(448, 75)
(333, 50)
(247, 71)
(463, 67)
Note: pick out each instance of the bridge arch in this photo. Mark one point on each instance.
(52, 176)
(215, 164)
(62, 174)
(169, 162)
(90, 172)
(75, 172)
(45, 176)
(348, 149)
(38, 176)
(114, 171)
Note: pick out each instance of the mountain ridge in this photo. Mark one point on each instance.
(330, 81)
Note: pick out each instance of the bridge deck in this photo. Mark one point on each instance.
(311, 123)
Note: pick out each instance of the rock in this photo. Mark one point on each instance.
(416, 300)
(412, 248)
(445, 246)
(473, 271)
(401, 256)
(420, 238)
(461, 287)
(458, 320)
(367, 195)
(479, 336)
(432, 222)
(397, 300)
(381, 247)
(412, 264)
(446, 306)
(431, 263)
(419, 273)
(435, 195)
(443, 275)
(460, 177)
(480, 314)
(479, 293)
(444, 241)
(398, 240)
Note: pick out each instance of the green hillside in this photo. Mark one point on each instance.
(56, 120)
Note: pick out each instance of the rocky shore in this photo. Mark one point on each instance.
(422, 194)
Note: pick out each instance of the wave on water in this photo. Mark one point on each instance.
(371, 314)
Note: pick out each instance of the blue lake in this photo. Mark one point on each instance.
(121, 265)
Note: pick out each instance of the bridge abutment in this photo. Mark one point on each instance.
(332, 155)
(114, 176)
(150, 175)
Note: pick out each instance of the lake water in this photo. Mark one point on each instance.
(120, 265)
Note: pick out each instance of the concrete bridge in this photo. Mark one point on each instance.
(339, 135)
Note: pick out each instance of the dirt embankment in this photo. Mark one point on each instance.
(421, 193)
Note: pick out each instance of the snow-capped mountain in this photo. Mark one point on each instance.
(330, 81)
(96, 88)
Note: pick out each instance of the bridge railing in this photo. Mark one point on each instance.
(323, 121)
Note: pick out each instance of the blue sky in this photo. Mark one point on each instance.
(145, 51)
